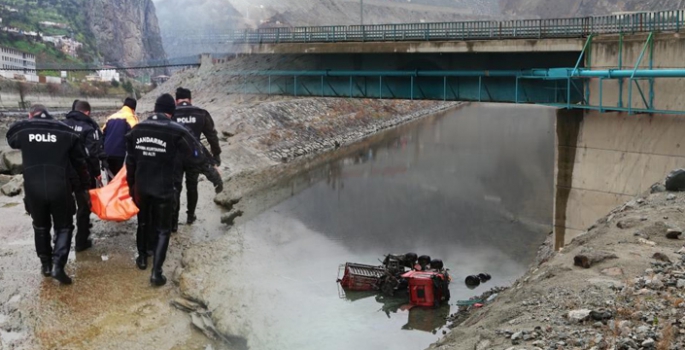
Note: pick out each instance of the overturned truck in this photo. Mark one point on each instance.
(423, 280)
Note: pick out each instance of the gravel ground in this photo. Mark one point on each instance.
(634, 299)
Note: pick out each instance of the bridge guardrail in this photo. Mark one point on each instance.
(472, 30)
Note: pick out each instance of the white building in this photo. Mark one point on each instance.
(108, 75)
(14, 62)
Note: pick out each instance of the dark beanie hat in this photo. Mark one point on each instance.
(165, 104)
(182, 94)
(131, 103)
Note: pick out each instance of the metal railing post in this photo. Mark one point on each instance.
(380, 87)
(516, 95)
(480, 88)
(295, 85)
(269, 93)
(444, 88)
(412, 88)
(630, 96)
(601, 89)
(620, 66)
(651, 80)
(568, 93)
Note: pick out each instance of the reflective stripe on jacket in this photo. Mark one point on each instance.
(115, 130)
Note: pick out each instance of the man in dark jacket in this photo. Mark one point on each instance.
(91, 137)
(50, 150)
(156, 149)
(199, 122)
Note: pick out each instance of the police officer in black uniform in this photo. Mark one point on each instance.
(199, 122)
(91, 136)
(157, 149)
(50, 150)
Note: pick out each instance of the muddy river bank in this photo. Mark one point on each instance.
(471, 186)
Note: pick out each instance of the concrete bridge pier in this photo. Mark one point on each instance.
(605, 159)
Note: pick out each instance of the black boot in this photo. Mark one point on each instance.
(83, 246)
(141, 261)
(43, 249)
(46, 267)
(61, 254)
(143, 245)
(191, 218)
(157, 278)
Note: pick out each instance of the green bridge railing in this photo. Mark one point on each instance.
(472, 30)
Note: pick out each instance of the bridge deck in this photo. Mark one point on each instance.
(459, 31)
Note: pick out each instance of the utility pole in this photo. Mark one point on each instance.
(361, 12)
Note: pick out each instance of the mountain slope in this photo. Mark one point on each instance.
(200, 17)
(126, 31)
(116, 32)
(581, 8)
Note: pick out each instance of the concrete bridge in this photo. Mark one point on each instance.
(617, 81)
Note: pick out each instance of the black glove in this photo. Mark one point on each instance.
(217, 160)
(214, 177)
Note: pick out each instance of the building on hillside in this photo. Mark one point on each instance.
(65, 44)
(14, 62)
(108, 74)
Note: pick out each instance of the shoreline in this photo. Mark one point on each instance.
(108, 267)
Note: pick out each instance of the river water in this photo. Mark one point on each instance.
(471, 186)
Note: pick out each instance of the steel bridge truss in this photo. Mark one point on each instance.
(559, 87)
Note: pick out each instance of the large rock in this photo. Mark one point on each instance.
(628, 223)
(13, 187)
(579, 315)
(4, 179)
(13, 162)
(673, 233)
(675, 181)
(230, 217)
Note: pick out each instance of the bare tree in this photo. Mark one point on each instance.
(23, 89)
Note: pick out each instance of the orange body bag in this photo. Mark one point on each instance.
(113, 202)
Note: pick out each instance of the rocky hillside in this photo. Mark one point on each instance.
(179, 18)
(74, 31)
(575, 8)
(126, 31)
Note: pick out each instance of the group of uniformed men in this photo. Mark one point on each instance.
(63, 159)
